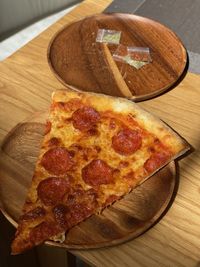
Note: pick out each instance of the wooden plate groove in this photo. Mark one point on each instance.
(126, 219)
(78, 61)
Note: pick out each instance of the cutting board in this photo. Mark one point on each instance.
(73, 52)
(126, 219)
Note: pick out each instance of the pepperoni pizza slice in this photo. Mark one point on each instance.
(95, 150)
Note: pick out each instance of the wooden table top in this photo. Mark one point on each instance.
(26, 84)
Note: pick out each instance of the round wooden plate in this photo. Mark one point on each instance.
(79, 61)
(124, 220)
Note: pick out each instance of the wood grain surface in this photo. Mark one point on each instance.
(126, 219)
(74, 52)
(26, 84)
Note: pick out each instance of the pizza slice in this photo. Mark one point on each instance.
(95, 150)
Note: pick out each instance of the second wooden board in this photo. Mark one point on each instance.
(79, 61)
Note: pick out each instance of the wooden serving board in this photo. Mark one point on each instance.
(124, 220)
(73, 52)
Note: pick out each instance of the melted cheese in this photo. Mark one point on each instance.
(63, 129)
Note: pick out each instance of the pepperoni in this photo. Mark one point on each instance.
(78, 205)
(127, 141)
(76, 196)
(81, 211)
(57, 160)
(85, 118)
(43, 231)
(78, 213)
(47, 127)
(52, 190)
(75, 210)
(80, 195)
(33, 214)
(92, 132)
(54, 141)
(60, 212)
(97, 172)
(156, 161)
